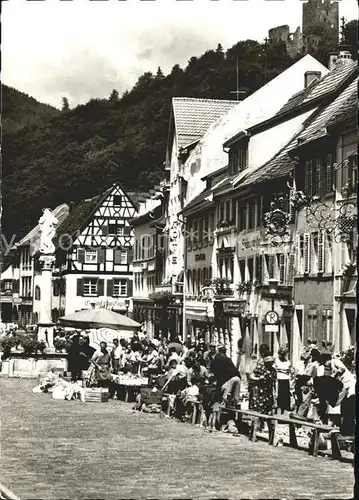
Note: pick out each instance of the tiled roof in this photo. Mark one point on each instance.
(60, 212)
(320, 88)
(194, 116)
(347, 112)
(279, 166)
(201, 201)
(78, 215)
(332, 80)
(298, 98)
(318, 126)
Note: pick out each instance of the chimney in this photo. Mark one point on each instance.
(340, 58)
(332, 61)
(310, 76)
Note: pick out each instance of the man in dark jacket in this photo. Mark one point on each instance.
(227, 376)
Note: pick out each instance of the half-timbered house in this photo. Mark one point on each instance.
(94, 253)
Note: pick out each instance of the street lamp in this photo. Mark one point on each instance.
(273, 287)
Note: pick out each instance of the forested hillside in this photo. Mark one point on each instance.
(20, 110)
(51, 157)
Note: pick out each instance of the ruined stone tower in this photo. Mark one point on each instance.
(321, 12)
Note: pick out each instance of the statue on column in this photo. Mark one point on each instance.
(47, 223)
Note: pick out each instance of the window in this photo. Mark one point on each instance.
(242, 216)
(313, 324)
(234, 212)
(195, 233)
(250, 268)
(37, 293)
(329, 175)
(327, 324)
(90, 286)
(228, 210)
(119, 288)
(350, 174)
(321, 252)
(116, 229)
(242, 269)
(211, 227)
(281, 267)
(317, 178)
(120, 256)
(251, 214)
(90, 256)
(270, 265)
(117, 200)
(306, 253)
(308, 173)
(300, 253)
(206, 230)
(222, 211)
(258, 270)
(239, 158)
(200, 231)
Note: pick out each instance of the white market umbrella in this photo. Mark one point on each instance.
(98, 318)
(107, 335)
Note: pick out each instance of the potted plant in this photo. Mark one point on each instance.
(163, 297)
(60, 344)
(245, 286)
(7, 343)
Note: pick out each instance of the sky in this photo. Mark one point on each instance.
(83, 49)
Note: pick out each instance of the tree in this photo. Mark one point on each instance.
(114, 96)
(159, 73)
(350, 36)
(65, 104)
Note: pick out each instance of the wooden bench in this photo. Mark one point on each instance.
(273, 420)
(336, 438)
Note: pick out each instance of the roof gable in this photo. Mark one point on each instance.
(318, 127)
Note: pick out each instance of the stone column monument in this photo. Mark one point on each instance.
(47, 224)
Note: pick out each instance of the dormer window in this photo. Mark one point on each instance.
(238, 157)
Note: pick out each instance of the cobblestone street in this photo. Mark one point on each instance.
(54, 449)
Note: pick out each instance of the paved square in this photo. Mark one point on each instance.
(70, 450)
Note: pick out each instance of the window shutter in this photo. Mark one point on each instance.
(259, 268)
(101, 255)
(281, 265)
(116, 255)
(321, 252)
(101, 288)
(130, 255)
(317, 179)
(129, 288)
(291, 264)
(109, 288)
(127, 230)
(81, 255)
(297, 263)
(80, 287)
(308, 178)
(306, 253)
(329, 175)
(56, 289)
(105, 231)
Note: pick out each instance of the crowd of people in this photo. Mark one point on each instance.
(321, 389)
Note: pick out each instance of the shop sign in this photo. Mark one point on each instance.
(233, 308)
(200, 256)
(271, 328)
(106, 303)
